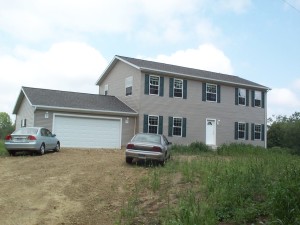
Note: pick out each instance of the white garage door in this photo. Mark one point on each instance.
(87, 132)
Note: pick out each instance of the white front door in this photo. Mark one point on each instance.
(210, 131)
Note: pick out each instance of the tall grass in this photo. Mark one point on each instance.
(3, 151)
(237, 184)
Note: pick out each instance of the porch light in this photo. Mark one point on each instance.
(46, 115)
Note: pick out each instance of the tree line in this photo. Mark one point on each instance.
(6, 125)
(284, 132)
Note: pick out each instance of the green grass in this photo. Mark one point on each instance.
(3, 151)
(237, 184)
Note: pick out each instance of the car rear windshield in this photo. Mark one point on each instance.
(26, 131)
(147, 138)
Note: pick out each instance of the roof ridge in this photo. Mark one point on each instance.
(168, 64)
(46, 89)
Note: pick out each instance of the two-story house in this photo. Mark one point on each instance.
(184, 104)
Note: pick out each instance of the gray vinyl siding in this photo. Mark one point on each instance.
(26, 111)
(128, 129)
(197, 111)
(116, 84)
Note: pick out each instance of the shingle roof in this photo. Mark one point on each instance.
(150, 66)
(75, 101)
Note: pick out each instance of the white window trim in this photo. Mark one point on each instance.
(106, 89)
(239, 96)
(256, 139)
(212, 92)
(154, 85)
(257, 99)
(153, 125)
(242, 130)
(129, 83)
(178, 88)
(177, 126)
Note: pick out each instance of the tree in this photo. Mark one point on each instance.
(285, 132)
(6, 126)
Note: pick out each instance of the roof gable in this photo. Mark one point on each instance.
(64, 100)
(163, 68)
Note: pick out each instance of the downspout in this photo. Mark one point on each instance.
(266, 119)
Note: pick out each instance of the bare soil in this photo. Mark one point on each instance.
(68, 187)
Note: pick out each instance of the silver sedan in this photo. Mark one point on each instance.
(148, 146)
(33, 139)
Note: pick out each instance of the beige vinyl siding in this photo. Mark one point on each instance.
(197, 111)
(26, 111)
(116, 84)
(128, 129)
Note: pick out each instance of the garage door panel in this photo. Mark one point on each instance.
(88, 132)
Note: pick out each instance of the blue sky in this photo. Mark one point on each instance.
(66, 45)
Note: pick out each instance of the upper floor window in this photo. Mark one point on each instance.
(154, 85)
(23, 123)
(211, 92)
(242, 96)
(128, 85)
(178, 87)
(106, 89)
(257, 99)
(257, 132)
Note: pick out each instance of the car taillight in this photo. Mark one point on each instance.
(8, 137)
(31, 138)
(156, 149)
(130, 146)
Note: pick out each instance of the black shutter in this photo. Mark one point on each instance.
(252, 131)
(262, 132)
(247, 131)
(161, 86)
(25, 122)
(171, 90)
(247, 97)
(184, 89)
(160, 125)
(147, 84)
(170, 133)
(204, 92)
(263, 99)
(184, 127)
(236, 96)
(236, 130)
(252, 98)
(218, 93)
(145, 124)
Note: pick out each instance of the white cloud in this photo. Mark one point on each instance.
(239, 6)
(70, 66)
(283, 101)
(297, 83)
(205, 57)
(36, 20)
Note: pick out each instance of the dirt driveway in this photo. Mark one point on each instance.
(69, 187)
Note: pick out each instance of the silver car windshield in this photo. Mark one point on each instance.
(147, 138)
(26, 131)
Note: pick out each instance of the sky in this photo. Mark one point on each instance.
(67, 44)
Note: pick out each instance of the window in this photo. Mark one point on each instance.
(154, 85)
(257, 131)
(242, 96)
(128, 85)
(23, 123)
(106, 89)
(241, 130)
(211, 92)
(153, 124)
(178, 88)
(257, 99)
(177, 126)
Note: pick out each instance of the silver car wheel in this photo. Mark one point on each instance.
(42, 149)
(57, 147)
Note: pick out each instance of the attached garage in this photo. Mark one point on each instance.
(88, 132)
